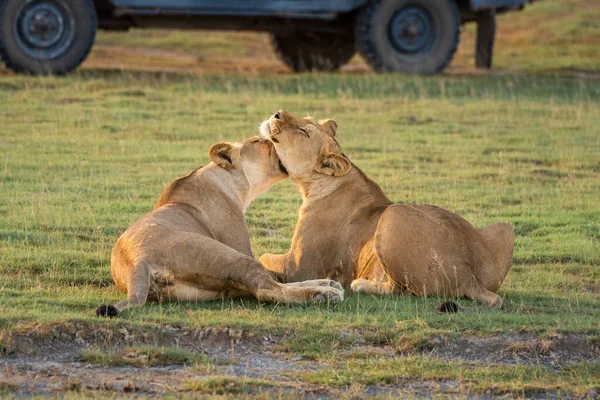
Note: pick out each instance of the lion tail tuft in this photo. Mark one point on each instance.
(448, 307)
(107, 311)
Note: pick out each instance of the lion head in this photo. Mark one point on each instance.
(256, 158)
(305, 147)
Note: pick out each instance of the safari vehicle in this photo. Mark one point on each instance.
(410, 36)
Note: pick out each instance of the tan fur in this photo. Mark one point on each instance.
(348, 230)
(194, 245)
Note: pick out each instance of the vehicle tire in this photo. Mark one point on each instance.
(410, 36)
(313, 51)
(43, 37)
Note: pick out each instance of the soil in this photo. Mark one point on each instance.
(46, 360)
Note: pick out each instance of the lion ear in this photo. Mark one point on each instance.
(220, 154)
(332, 163)
(330, 126)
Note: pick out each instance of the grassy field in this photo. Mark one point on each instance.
(82, 157)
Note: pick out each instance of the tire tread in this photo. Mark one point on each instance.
(21, 69)
(366, 47)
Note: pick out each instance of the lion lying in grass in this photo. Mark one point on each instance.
(349, 231)
(195, 246)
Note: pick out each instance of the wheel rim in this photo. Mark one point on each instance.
(412, 30)
(44, 29)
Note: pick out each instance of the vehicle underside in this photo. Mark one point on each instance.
(409, 36)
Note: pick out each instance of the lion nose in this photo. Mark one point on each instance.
(277, 116)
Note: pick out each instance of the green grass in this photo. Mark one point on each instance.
(8, 387)
(222, 385)
(498, 379)
(82, 157)
(143, 357)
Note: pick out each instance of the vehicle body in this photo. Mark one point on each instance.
(411, 36)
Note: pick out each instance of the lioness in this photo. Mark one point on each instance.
(348, 230)
(194, 244)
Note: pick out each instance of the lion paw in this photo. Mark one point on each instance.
(358, 285)
(329, 283)
(328, 294)
(372, 287)
(315, 283)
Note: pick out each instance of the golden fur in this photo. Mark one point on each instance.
(348, 230)
(194, 244)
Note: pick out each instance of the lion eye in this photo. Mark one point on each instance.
(303, 131)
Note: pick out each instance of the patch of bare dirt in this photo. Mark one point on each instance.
(34, 377)
(56, 368)
(70, 336)
(46, 359)
(67, 338)
(554, 351)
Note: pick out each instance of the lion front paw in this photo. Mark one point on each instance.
(371, 287)
(335, 285)
(328, 294)
(359, 285)
(328, 283)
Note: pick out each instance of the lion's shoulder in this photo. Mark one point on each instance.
(173, 188)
